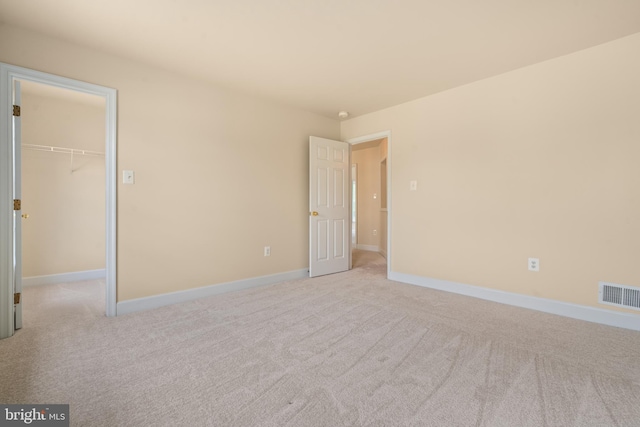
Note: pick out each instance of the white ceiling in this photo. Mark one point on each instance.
(331, 55)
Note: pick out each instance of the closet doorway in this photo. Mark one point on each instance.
(63, 187)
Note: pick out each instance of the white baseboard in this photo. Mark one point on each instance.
(575, 311)
(52, 279)
(371, 248)
(156, 301)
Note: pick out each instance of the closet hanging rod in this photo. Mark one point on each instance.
(72, 151)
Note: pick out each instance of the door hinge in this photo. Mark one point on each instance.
(16, 110)
(17, 204)
(16, 298)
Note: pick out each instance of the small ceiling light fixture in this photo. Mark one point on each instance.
(343, 114)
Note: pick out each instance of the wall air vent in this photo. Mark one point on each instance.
(619, 295)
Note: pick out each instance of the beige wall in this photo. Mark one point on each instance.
(539, 162)
(65, 229)
(219, 175)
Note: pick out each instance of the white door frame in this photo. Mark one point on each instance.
(373, 137)
(9, 73)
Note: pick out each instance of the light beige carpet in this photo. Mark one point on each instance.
(350, 349)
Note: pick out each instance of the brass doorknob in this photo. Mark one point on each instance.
(314, 213)
(25, 216)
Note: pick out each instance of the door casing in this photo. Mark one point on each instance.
(9, 74)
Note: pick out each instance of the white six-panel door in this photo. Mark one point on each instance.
(329, 208)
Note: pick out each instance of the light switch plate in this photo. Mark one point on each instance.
(413, 185)
(128, 177)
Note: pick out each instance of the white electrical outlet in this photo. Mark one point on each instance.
(267, 251)
(375, 232)
(534, 264)
(413, 185)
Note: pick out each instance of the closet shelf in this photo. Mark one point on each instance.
(72, 151)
